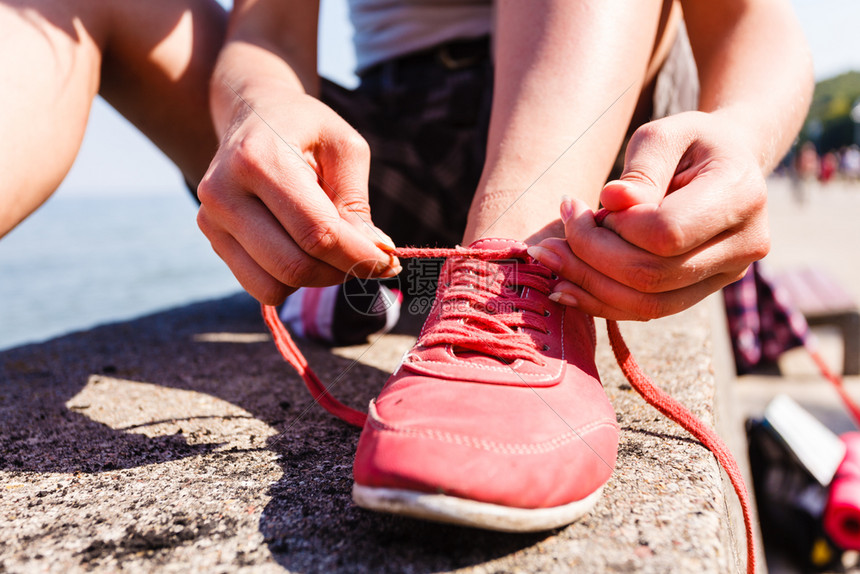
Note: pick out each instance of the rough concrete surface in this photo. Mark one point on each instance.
(181, 442)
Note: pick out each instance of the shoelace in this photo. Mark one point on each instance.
(835, 380)
(515, 343)
(480, 309)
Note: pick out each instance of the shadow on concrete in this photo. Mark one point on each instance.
(48, 425)
(311, 524)
(126, 395)
(330, 534)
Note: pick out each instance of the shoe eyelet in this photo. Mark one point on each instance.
(547, 332)
(546, 347)
(554, 276)
(546, 313)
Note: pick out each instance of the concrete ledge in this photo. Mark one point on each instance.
(180, 442)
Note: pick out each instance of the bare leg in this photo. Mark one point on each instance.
(157, 63)
(557, 133)
(152, 60)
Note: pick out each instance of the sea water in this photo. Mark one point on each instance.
(80, 261)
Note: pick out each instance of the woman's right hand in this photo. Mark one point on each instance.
(284, 202)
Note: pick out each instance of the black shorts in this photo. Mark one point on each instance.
(425, 117)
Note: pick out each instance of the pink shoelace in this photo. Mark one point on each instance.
(478, 310)
(836, 381)
(501, 335)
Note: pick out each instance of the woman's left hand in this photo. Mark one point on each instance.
(687, 217)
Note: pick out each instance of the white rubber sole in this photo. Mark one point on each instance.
(453, 510)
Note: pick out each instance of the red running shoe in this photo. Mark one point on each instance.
(496, 418)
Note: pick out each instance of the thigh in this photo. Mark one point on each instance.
(157, 61)
(151, 60)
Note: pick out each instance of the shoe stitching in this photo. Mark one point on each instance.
(542, 447)
(505, 369)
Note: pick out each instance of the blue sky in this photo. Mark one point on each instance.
(116, 158)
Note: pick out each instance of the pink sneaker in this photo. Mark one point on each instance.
(496, 417)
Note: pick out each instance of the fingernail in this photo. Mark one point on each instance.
(563, 298)
(545, 256)
(566, 208)
(385, 247)
(383, 241)
(391, 272)
(383, 266)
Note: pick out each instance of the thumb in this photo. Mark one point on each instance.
(650, 163)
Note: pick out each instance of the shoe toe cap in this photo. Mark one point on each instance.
(480, 452)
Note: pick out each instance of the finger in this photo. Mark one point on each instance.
(551, 252)
(344, 168)
(633, 306)
(290, 190)
(253, 278)
(592, 248)
(709, 205)
(344, 165)
(618, 195)
(595, 292)
(650, 163)
(262, 238)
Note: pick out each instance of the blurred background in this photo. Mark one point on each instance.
(119, 238)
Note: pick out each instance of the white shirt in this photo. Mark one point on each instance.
(386, 29)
